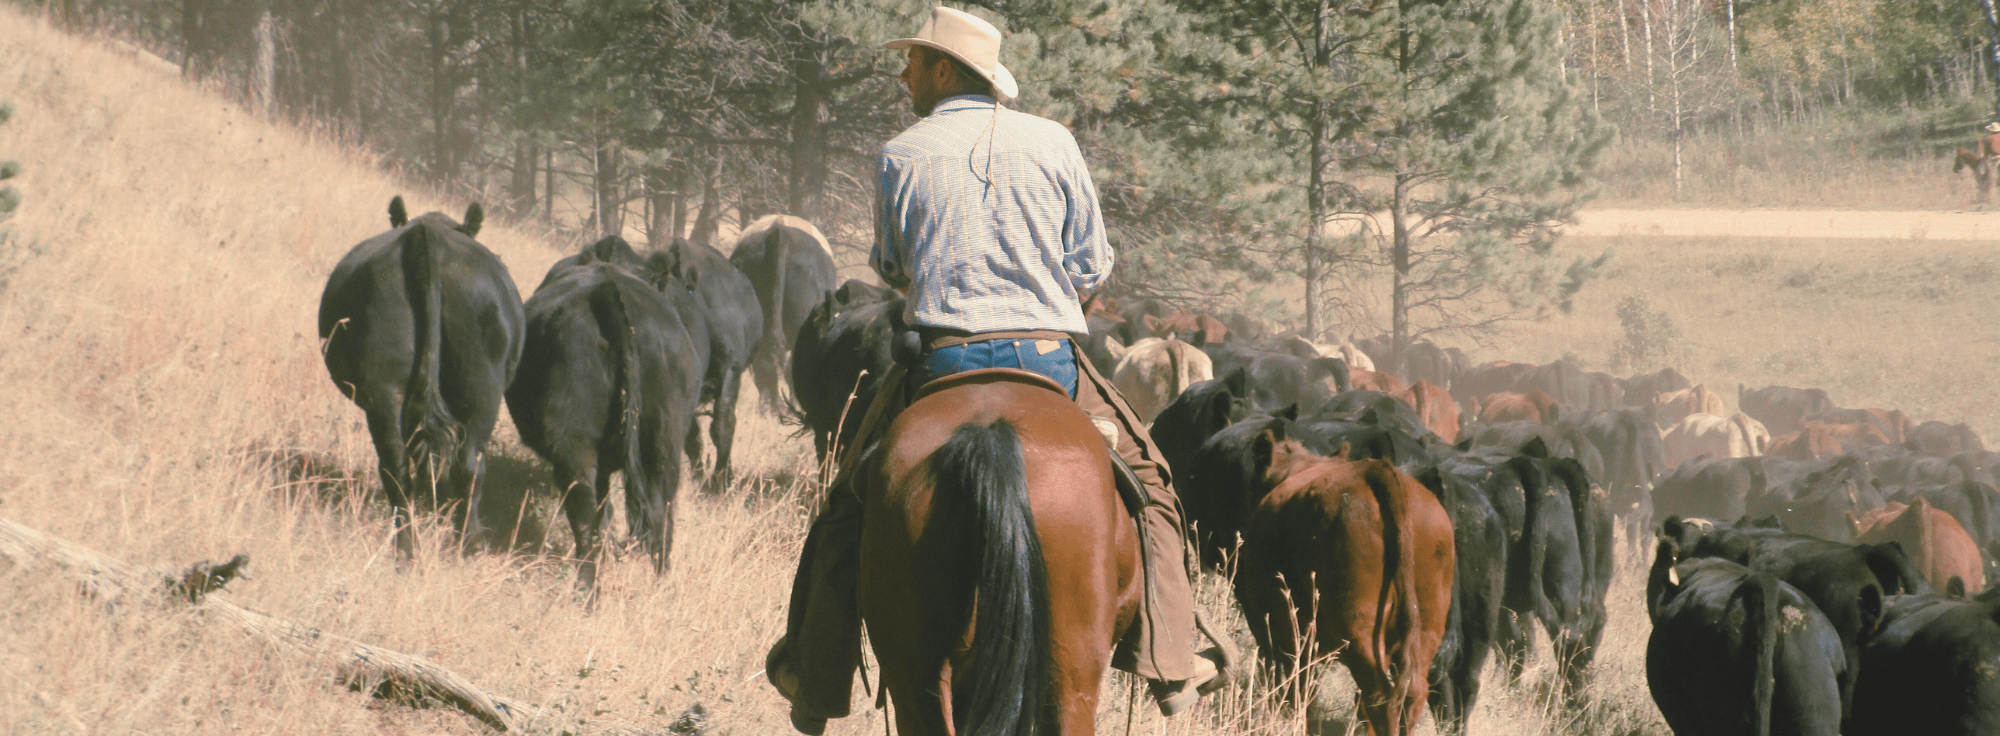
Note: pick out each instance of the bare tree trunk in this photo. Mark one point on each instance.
(549, 186)
(1625, 33)
(608, 200)
(264, 68)
(1646, 17)
(521, 182)
(709, 221)
(806, 187)
(1316, 183)
(659, 208)
(1732, 35)
(1399, 262)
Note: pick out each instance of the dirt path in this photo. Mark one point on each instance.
(1791, 224)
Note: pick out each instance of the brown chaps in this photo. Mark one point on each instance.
(823, 628)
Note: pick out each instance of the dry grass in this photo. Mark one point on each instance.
(168, 405)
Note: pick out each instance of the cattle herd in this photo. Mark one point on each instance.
(1814, 570)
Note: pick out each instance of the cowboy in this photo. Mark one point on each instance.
(988, 221)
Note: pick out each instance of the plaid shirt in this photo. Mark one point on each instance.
(988, 219)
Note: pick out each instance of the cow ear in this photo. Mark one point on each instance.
(1289, 413)
(1464, 443)
(1871, 608)
(1341, 453)
(474, 217)
(398, 214)
(1262, 450)
(1535, 448)
(1238, 381)
(1955, 587)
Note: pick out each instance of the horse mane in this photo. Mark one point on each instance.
(757, 228)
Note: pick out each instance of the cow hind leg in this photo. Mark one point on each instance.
(1511, 640)
(584, 507)
(392, 464)
(722, 427)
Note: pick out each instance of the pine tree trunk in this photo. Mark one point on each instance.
(1316, 184)
(1399, 262)
(521, 182)
(1625, 34)
(443, 90)
(708, 222)
(608, 200)
(549, 186)
(806, 187)
(659, 207)
(1646, 18)
(1732, 35)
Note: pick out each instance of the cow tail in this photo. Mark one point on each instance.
(1396, 607)
(607, 305)
(427, 424)
(1758, 594)
(981, 466)
(1975, 496)
(1177, 365)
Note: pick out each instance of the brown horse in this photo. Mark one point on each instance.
(994, 484)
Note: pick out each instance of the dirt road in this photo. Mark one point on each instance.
(1791, 224)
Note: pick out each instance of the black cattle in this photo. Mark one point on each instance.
(1944, 440)
(1558, 552)
(1425, 361)
(1491, 378)
(1478, 585)
(792, 274)
(1198, 413)
(1934, 668)
(1634, 459)
(1739, 652)
(1220, 483)
(609, 381)
(1560, 440)
(843, 348)
(1377, 408)
(1896, 465)
(1561, 380)
(1710, 488)
(1640, 390)
(422, 328)
(1847, 582)
(1780, 408)
(1278, 380)
(727, 305)
(1815, 496)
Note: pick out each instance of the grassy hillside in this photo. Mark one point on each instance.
(168, 405)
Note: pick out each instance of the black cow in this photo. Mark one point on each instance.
(609, 381)
(1782, 408)
(1220, 484)
(1739, 652)
(1557, 558)
(792, 273)
(1491, 378)
(1379, 408)
(422, 328)
(729, 312)
(1944, 440)
(1478, 585)
(843, 348)
(1560, 440)
(1934, 668)
(1197, 414)
(1278, 380)
(1896, 465)
(1710, 488)
(1815, 496)
(1641, 390)
(1634, 459)
(1847, 582)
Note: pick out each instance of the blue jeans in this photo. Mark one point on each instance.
(1057, 362)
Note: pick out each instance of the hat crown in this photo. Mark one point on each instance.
(971, 36)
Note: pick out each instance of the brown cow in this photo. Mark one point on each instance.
(1361, 555)
(1852, 436)
(1382, 381)
(1937, 545)
(1671, 407)
(1533, 406)
(1806, 444)
(1434, 405)
(1198, 329)
(1153, 371)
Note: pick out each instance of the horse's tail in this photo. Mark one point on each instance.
(1010, 643)
(607, 305)
(427, 425)
(1396, 607)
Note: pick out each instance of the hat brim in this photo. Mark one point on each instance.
(1004, 87)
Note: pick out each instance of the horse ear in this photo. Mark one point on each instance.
(474, 217)
(398, 214)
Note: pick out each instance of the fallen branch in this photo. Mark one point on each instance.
(116, 582)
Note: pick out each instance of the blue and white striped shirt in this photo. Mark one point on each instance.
(989, 220)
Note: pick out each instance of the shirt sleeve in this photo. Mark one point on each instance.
(1086, 252)
(887, 257)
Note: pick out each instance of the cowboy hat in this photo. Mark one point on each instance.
(968, 39)
(1993, 127)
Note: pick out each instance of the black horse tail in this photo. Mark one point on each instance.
(607, 306)
(428, 428)
(982, 465)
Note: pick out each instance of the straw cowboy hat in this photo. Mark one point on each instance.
(1993, 127)
(968, 39)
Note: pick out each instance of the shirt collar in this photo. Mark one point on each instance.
(962, 102)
